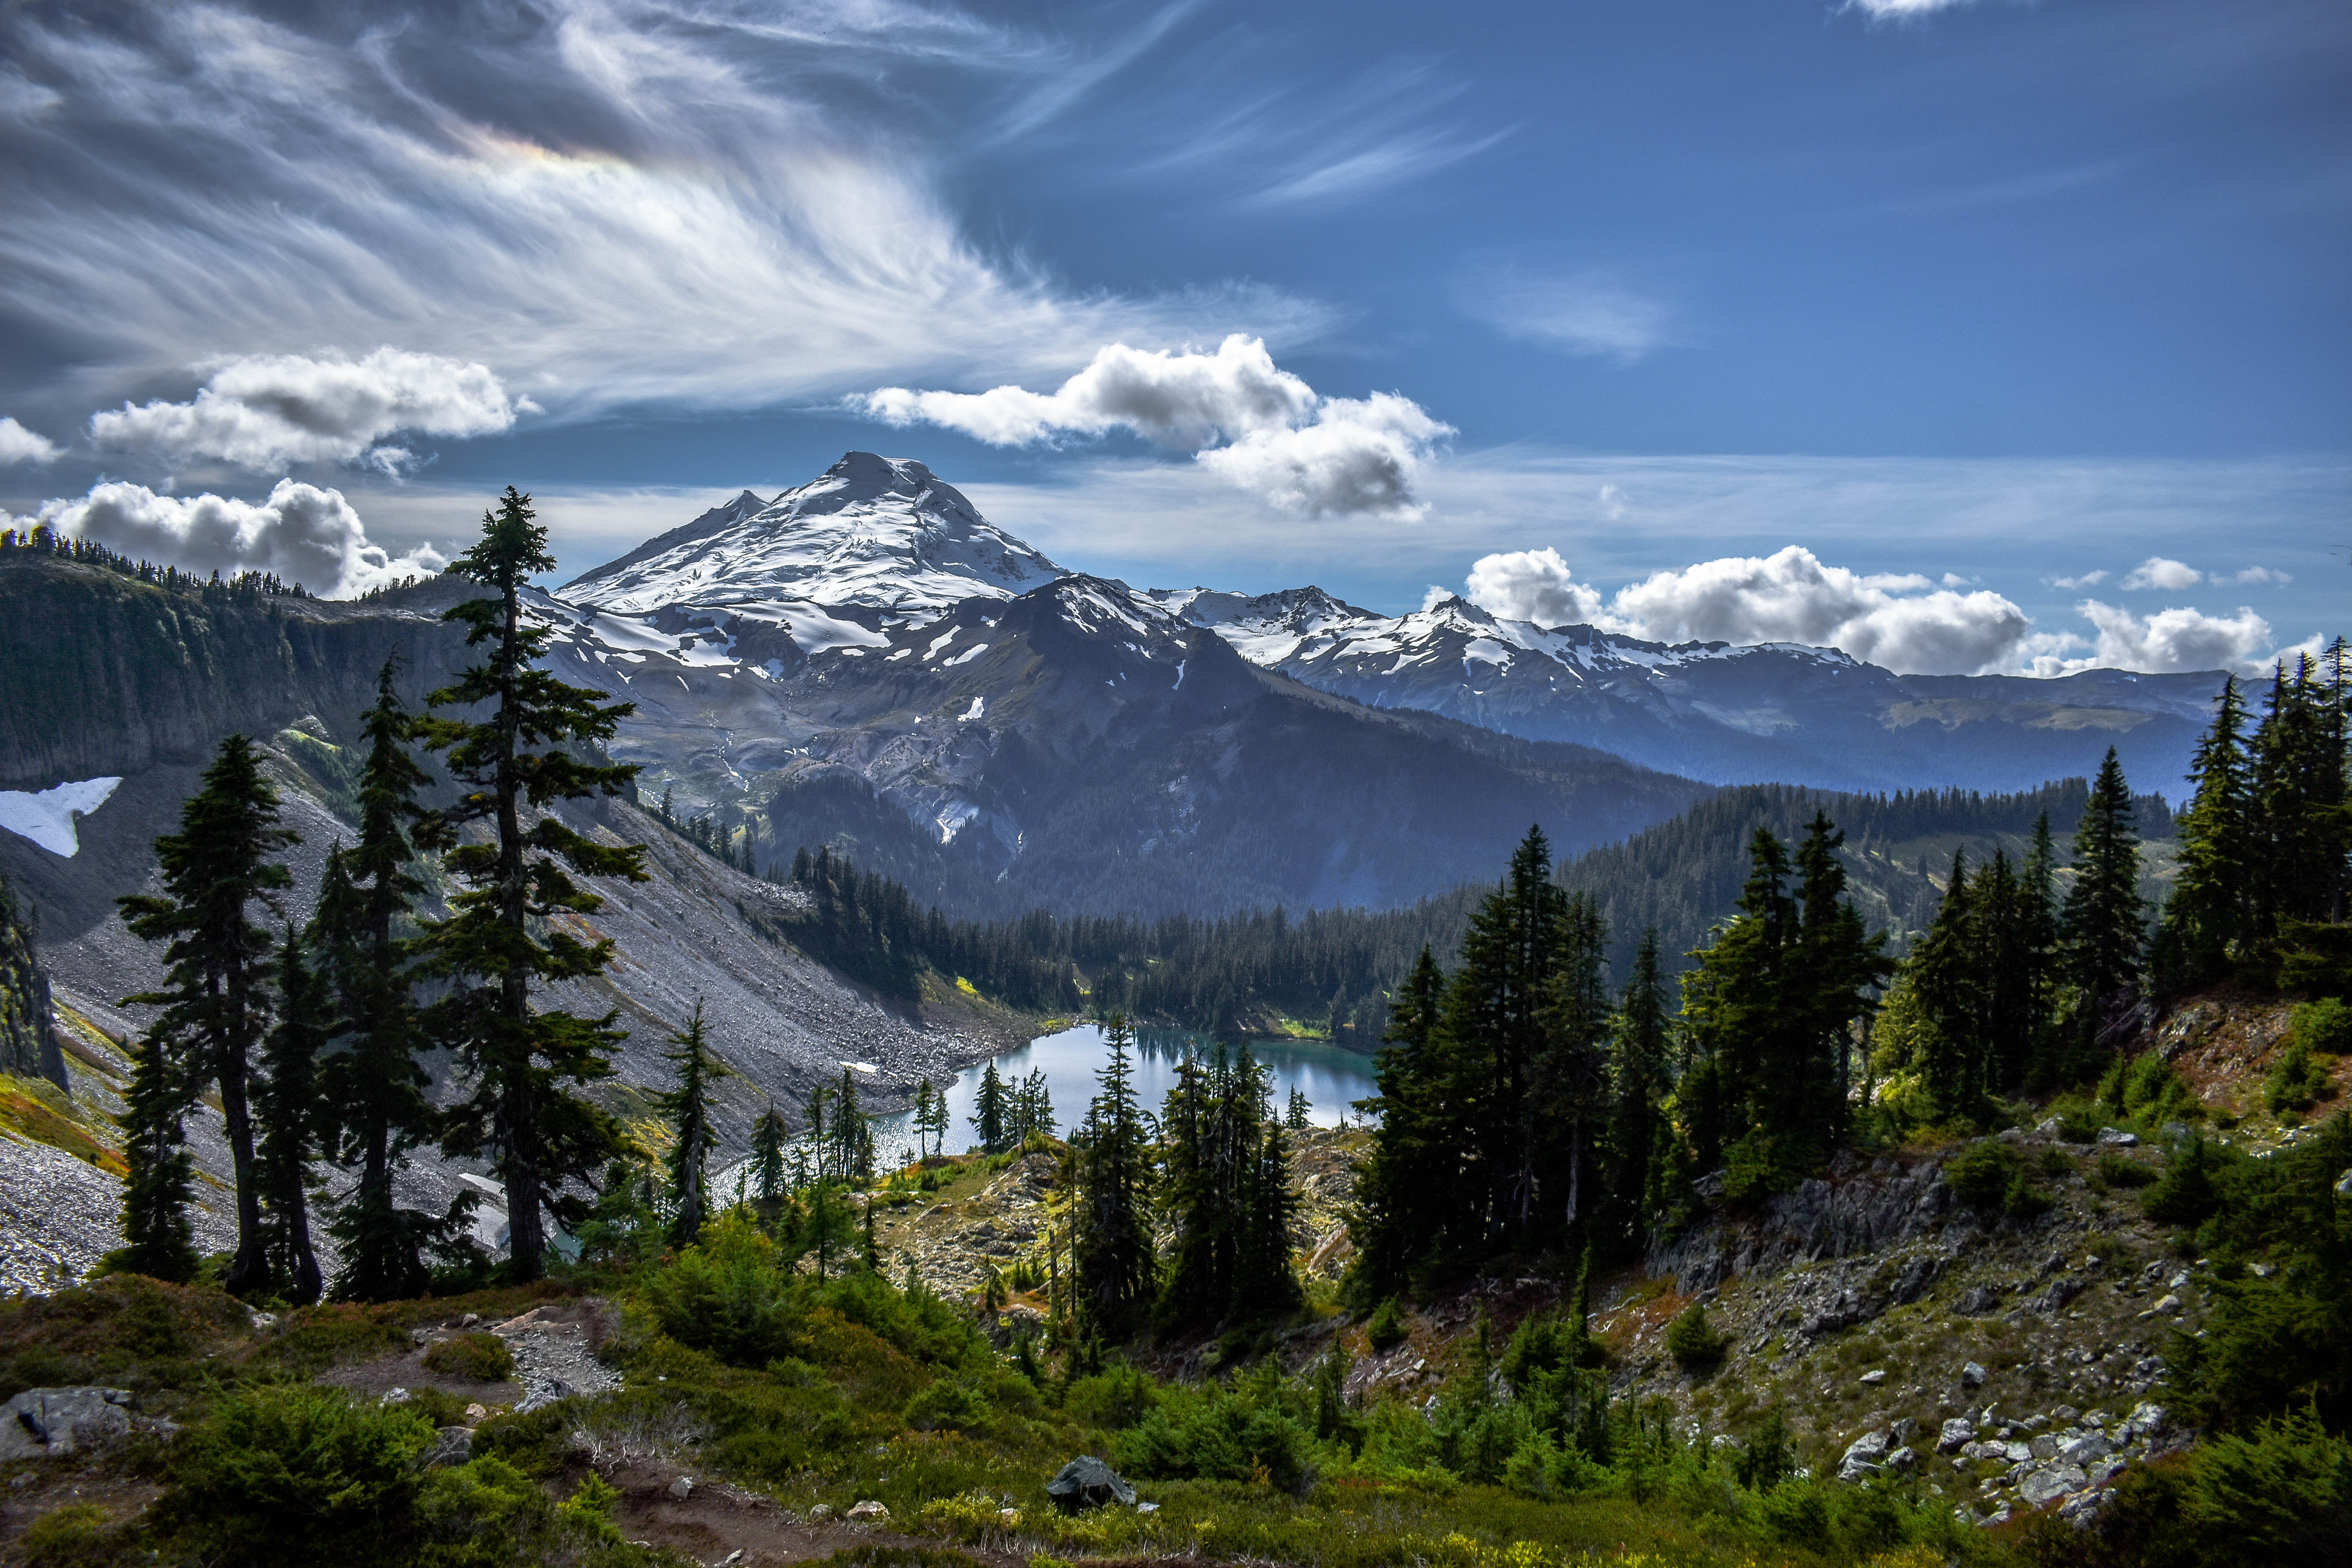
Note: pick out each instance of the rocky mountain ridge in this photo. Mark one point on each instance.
(1717, 711)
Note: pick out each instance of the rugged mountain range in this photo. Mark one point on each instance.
(1725, 714)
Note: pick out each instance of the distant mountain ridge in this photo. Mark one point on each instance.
(1720, 712)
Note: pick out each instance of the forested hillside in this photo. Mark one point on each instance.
(1332, 970)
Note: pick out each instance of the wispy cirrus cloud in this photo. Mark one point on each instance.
(689, 201)
(1579, 312)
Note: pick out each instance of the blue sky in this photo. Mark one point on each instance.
(2025, 324)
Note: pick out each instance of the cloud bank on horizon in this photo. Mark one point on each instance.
(1903, 622)
(301, 533)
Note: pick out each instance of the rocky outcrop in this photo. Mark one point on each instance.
(52, 1423)
(1860, 1206)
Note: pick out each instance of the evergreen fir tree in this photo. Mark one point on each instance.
(991, 1111)
(2105, 923)
(1948, 986)
(1112, 1251)
(2211, 914)
(1401, 1198)
(852, 1134)
(375, 1083)
(288, 1106)
(921, 1120)
(687, 1107)
(1298, 1114)
(768, 1137)
(161, 1184)
(522, 757)
(1573, 1075)
(216, 870)
(1265, 1285)
(1641, 1074)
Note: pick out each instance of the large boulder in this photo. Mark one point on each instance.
(1864, 1456)
(54, 1422)
(1087, 1482)
(2050, 1482)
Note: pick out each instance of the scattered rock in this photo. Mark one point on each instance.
(1976, 1300)
(451, 1445)
(867, 1508)
(1972, 1375)
(683, 1488)
(51, 1423)
(1874, 1376)
(478, 1413)
(2049, 1126)
(2167, 1304)
(1901, 1460)
(1957, 1435)
(2087, 1450)
(820, 1514)
(1087, 1482)
(1147, 1508)
(2115, 1137)
(2050, 1482)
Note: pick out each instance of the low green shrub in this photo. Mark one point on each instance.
(1386, 1328)
(75, 1536)
(479, 1358)
(2324, 1025)
(1113, 1399)
(945, 1406)
(1991, 1176)
(2118, 1170)
(2297, 1081)
(1693, 1342)
(295, 1463)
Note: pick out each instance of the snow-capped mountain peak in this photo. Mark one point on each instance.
(881, 533)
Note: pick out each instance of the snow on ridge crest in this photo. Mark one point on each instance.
(878, 532)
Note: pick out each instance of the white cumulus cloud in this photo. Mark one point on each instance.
(1902, 622)
(301, 533)
(1242, 416)
(2174, 639)
(265, 411)
(1532, 586)
(2159, 572)
(18, 445)
(2087, 580)
(2262, 575)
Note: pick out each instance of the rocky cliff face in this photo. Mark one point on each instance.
(103, 674)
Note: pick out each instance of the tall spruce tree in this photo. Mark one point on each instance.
(375, 1083)
(769, 1136)
(523, 755)
(1571, 1080)
(159, 1242)
(1640, 1073)
(288, 1108)
(687, 1107)
(2105, 918)
(991, 1111)
(1402, 1197)
(216, 872)
(1948, 984)
(1494, 1024)
(1112, 1249)
(2211, 914)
